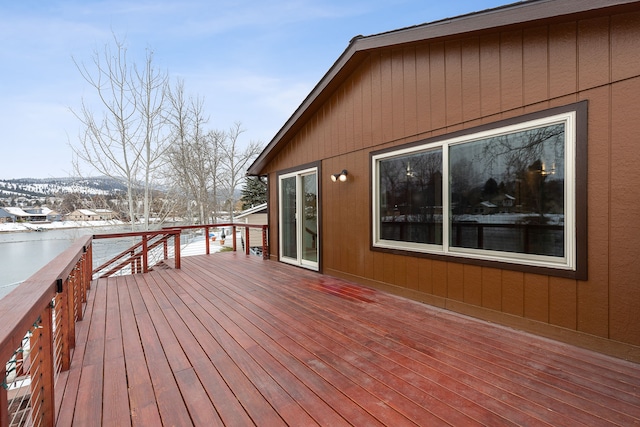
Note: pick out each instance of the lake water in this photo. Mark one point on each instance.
(24, 253)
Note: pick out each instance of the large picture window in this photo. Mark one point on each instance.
(505, 193)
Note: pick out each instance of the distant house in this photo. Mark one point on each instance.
(81, 215)
(485, 208)
(254, 215)
(91, 215)
(53, 215)
(13, 214)
(105, 214)
(50, 215)
(540, 96)
(508, 202)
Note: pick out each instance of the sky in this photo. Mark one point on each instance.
(251, 61)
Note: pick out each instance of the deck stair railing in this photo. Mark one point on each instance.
(152, 250)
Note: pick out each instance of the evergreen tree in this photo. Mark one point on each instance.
(254, 191)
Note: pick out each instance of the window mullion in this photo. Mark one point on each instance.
(446, 209)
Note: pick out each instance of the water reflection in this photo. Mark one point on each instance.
(24, 253)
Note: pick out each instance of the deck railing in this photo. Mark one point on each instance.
(37, 333)
(233, 226)
(38, 318)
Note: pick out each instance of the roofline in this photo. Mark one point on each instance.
(252, 210)
(503, 16)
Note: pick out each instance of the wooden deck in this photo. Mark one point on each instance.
(235, 340)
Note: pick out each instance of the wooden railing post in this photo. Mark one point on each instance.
(165, 247)
(133, 262)
(4, 401)
(206, 237)
(79, 273)
(71, 310)
(233, 240)
(64, 323)
(79, 295)
(145, 255)
(265, 255)
(88, 263)
(176, 241)
(246, 240)
(42, 371)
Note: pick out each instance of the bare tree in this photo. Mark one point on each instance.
(153, 88)
(234, 161)
(127, 140)
(192, 158)
(216, 140)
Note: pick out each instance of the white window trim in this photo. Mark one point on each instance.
(568, 262)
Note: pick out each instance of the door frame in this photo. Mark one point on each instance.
(298, 172)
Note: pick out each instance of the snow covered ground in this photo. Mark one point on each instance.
(198, 246)
(24, 226)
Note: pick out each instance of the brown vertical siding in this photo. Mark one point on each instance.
(398, 78)
(536, 297)
(423, 83)
(414, 92)
(624, 255)
(439, 278)
(562, 59)
(453, 82)
(593, 53)
(425, 273)
(513, 292)
(470, 85)
(437, 86)
(413, 273)
(490, 75)
(535, 56)
(492, 289)
(473, 285)
(624, 40)
(593, 296)
(455, 281)
(562, 302)
(511, 71)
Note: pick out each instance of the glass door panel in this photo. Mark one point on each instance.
(310, 218)
(299, 242)
(288, 218)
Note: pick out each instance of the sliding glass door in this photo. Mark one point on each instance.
(299, 243)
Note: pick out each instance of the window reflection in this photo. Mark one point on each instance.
(411, 197)
(507, 192)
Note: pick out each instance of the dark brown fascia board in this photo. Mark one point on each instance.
(504, 16)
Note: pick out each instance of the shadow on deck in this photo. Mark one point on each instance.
(235, 340)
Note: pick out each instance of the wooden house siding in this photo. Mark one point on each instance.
(411, 92)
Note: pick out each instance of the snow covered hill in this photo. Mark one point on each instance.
(48, 187)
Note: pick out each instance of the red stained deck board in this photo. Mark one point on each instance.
(236, 340)
(360, 360)
(278, 364)
(452, 375)
(142, 401)
(67, 385)
(317, 336)
(187, 326)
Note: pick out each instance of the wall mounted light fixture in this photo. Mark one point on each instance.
(342, 176)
